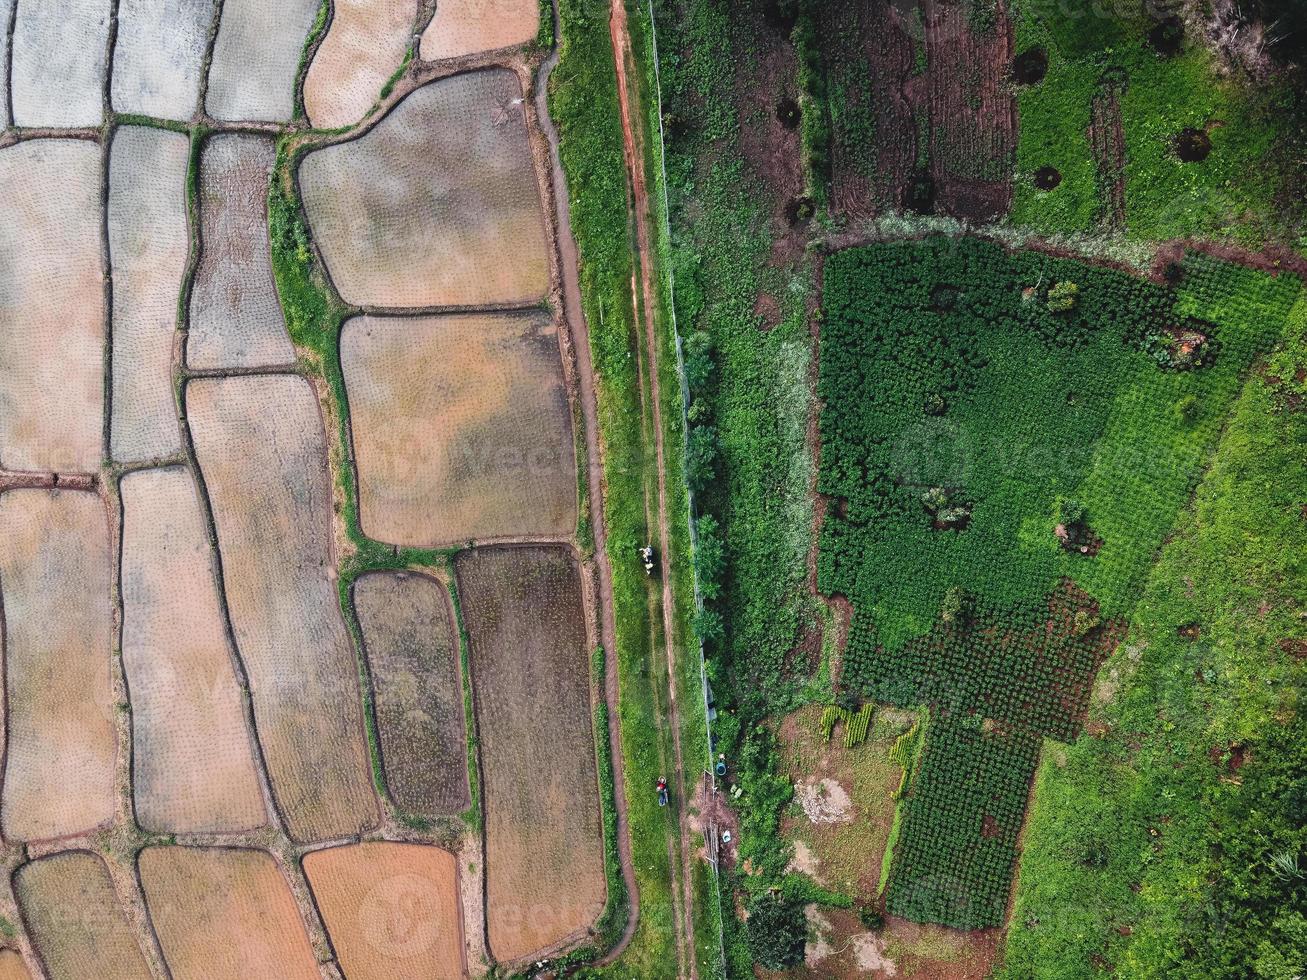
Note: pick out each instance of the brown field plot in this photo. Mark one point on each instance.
(52, 307)
(225, 914)
(530, 671)
(462, 428)
(392, 910)
(12, 966)
(263, 455)
(236, 319)
(413, 656)
(469, 26)
(255, 59)
(55, 580)
(193, 763)
(58, 68)
(158, 56)
(364, 45)
(149, 244)
(75, 920)
(437, 205)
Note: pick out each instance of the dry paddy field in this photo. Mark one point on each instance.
(149, 243)
(392, 910)
(75, 919)
(52, 307)
(158, 56)
(55, 582)
(59, 53)
(366, 42)
(225, 914)
(255, 58)
(263, 455)
(462, 27)
(193, 763)
(437, 205)
(462, 428)
(413, 658)
(236, 320)
(530, 671)
(12, 966)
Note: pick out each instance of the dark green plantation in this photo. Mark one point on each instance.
(1007, 439)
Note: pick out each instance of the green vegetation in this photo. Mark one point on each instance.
(777, 931)
(1171, 839)
(1004, 470)
(618, 909)
(1232, 194)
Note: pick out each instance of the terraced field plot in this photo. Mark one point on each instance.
(392, 910)
(413, 657)
(255, 57)
(158, 56)
(225, 914)
(436, 205)
(149, 244)
(76, 921)
(527, 637)
(55, 581)
(262, 453)
(58, 68)
(52, 307)
(484, 397)
(366, 42)
(236, 319)
(194, 767)
(462, 27)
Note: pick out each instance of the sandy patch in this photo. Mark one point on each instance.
(824, 801)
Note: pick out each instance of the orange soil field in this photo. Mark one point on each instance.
(158, 56)
(12, 966)
(255, 59)
(235, 318)
(225, 914)
(364, 45)
(469, 26)
(392, 910)
(530, 670)
(193, 764)
(149, 244)
(263, 455)
(52, 307)
(55, 581)
(58, 68)
(462, 428)
(75, 920)
(437, 205)
(413, 656)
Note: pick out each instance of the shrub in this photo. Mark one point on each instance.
(1062, 297)
(777, 932)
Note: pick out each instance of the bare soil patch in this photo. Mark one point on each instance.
(235, 317)
(224, 914)
(413, 657)
(149, 245)
(462, 428)
(364, 45)
(437, 205)
(193, 761)
(58, 68)
(52, 306)
(392, 910)
(263, 455)
(158, 56)
(55, 579)
(75, 920)
(530, 671)
(255, 59)
(12, 966)
(462, 27)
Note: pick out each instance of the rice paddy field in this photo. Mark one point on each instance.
(299, 589)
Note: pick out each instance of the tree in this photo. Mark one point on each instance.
(777, 932)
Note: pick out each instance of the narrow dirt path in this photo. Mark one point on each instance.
(574, 314)
(633, 148)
